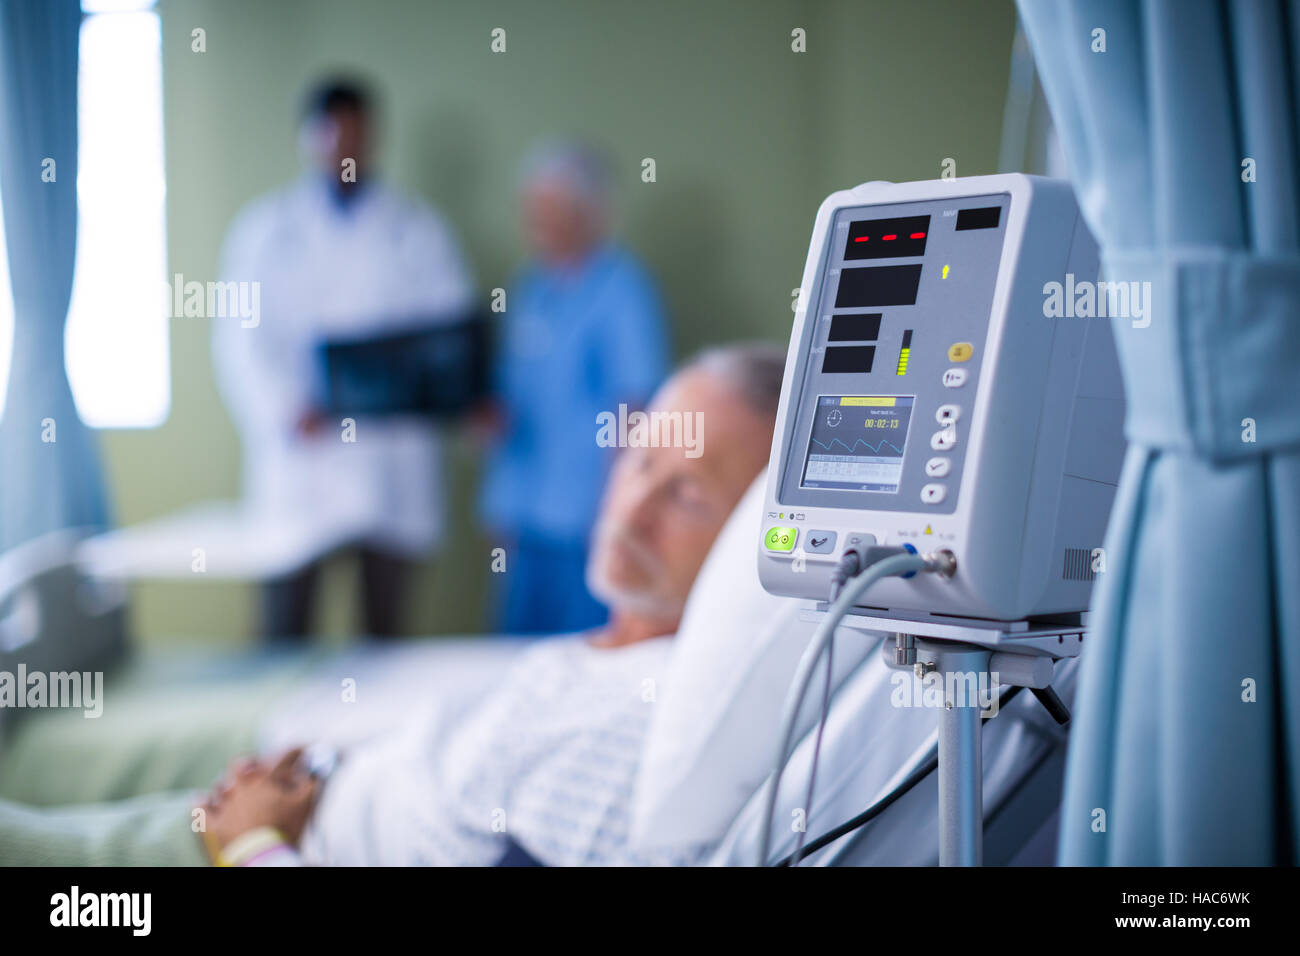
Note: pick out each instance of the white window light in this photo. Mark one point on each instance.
(116, 348)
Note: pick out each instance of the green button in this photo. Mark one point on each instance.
(781, 539)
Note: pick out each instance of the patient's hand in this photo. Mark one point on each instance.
(257, 793)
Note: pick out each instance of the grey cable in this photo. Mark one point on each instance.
(817, 750)
(893, 566)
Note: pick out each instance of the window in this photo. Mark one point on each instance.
(116, 348)
(117, 343)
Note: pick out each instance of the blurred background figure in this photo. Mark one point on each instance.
(584, 332)
(338, 255)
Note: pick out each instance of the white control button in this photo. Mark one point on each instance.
(944, 439)
(948, 414)
(938, 467)
(933, 494)
(954, 377)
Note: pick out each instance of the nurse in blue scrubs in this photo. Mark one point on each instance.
(583, 332)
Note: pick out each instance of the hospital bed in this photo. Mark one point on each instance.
(174, 720)
(52, 617)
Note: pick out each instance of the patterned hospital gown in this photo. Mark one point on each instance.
(549, 758)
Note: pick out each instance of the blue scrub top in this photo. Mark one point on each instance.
(575, 342)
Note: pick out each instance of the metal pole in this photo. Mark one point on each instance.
(961, 764)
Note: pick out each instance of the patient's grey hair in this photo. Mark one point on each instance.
(753, 369)
(582, 170)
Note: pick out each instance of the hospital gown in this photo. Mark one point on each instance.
(548, 760)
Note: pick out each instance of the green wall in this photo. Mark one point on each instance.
(747, 135)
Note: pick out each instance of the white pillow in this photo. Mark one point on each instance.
(713, 734)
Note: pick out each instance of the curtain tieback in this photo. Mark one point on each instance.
(1210, 350)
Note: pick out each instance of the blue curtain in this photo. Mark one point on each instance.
(44, 485)
(1182, 140)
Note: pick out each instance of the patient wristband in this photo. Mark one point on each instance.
(248, 848)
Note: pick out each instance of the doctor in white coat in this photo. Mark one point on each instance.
(337, 255)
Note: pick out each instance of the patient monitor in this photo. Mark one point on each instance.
(933, 401)
(937, 402)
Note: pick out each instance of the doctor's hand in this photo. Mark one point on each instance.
(257, 793)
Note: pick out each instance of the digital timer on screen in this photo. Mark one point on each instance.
(857, 442)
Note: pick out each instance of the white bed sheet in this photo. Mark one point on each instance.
(396, 686)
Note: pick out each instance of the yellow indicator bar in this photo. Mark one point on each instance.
(902, 361)
(874, 400)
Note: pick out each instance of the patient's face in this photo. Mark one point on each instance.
(663, 508)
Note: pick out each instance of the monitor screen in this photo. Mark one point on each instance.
(887, 238)
(857, 442)
(874, 286)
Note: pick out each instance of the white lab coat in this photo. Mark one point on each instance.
(384, 264)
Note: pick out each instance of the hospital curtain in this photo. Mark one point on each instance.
(49, 470)
(1179, 122)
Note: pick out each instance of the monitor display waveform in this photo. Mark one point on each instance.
(857, 442)
(875, 449)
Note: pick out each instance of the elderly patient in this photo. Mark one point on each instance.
(544, 765)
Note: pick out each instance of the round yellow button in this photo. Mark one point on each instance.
(960, 351)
